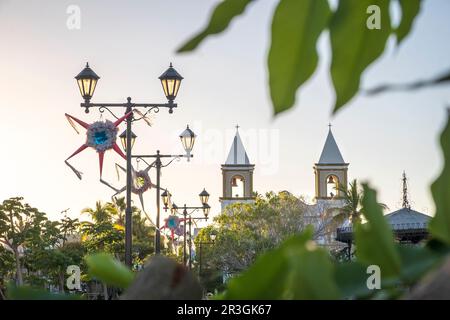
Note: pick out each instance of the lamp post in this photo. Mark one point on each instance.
(212, 236)
(187, 217)
(87, 82)
(187, 139)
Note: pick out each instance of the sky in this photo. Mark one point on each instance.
(129, 44)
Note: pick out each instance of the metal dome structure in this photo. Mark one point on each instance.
(408, 225)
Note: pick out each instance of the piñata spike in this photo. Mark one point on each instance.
(117, 149)
(78, 173)
(118, 166)
(119, 121)
(84, 146)
(81, 123)
(107, 184)
(141, 199)
(101, 155)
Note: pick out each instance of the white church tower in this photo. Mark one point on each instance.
(330, 172)
(237, 173)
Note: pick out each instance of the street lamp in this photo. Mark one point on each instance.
(206, 210)
(123, 139)
(171, 81)
(166, 198)
(188, 139)
(188, 220)
(174, 209)
(204, 196)
(87, 81)
(212, 236)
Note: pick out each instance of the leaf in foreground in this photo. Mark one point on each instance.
(296, 270)
(439, 225)
(354, 46)
(293, 57)
(351, 278)
(219, 21)
(374, 239)
(105, 268)
(410, 10)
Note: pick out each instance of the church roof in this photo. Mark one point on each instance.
(237, 154)
(330, 153)
(407, 218)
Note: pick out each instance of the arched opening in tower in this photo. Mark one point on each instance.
(237, 186)
(332, 186)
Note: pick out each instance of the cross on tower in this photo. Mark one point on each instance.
(237, 127)
(329, 125)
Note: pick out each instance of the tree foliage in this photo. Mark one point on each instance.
(44, 249)
(245, 231)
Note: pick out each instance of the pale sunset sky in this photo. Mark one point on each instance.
(130, 43)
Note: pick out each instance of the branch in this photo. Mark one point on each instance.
(442, 79)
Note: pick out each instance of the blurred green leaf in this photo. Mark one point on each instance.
(410, 10)
(105, 268)
(374, 239)
(417, 261)
(293, 58)
(351, 278)
(28, 293)
(439, 225)
(219, 21)
(355, 46)
(296, 270)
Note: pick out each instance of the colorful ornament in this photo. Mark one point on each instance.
(100, 135)
(172, 223)
(141, 183)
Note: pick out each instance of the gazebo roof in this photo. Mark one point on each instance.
(406, 218)
(403, 222)
(406, 223)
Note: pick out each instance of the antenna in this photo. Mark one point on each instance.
(406, 203)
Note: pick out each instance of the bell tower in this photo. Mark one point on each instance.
(237, 175)
(331, 171)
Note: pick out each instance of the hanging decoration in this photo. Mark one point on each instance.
(100, 135)
(141, 183)
(171, 222)
(176, 225)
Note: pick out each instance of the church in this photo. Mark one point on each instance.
(331, 181)
(331, 171)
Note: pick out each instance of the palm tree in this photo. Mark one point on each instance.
(352, 210)
(102, 212)
(352, 197)
(121, 206)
